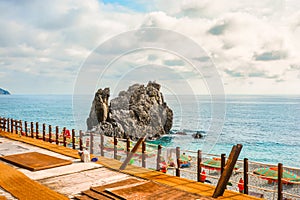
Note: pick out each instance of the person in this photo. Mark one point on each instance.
(171, 162)
(203, 176)
(241, 185)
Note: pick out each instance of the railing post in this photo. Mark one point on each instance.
(127, 146)
(8, 125)
(144, 154)
(50, 133)
(199, 169)
(246, 178)
(56, 135)
(64, 137)
(223, 160)
(101, 144)
(44, 132)
(115, 147)
(178, 161)
(73, 139)
(280, 169)
(158, 161)
(16, 126)
(80, 140)
(37, 130)
(11, 125)
(92, 143)
(21, 127)
(31, 129)
(26, 129)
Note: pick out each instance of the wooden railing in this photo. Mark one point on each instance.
(75, 141)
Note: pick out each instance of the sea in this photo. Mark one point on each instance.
(268, 127)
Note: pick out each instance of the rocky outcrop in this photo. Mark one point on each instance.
(4, 92)
(138, 111)
(99, 110)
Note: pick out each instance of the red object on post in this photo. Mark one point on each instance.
(203, 176)
(67, 133)
(241, 185)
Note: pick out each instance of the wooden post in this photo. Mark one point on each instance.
(223, 160)
(80, 140)
(225, 176)
(101, 144)
(44, 132)
(26, 129)
(127, 145)
(73, 139)
(50, 133)
(199, 169)
(8, 127)
(246, 178)
(31, 129)
(16, 126)
(56, 135)
(21, 127)
(92, 143)
(64, 137)
(280, 169)
(158, 160)
(11, 125)
(37, 130)
(144, 154)
(178, 161)
(115, 147)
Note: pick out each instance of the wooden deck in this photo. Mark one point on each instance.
(183, 184)
(22, 187)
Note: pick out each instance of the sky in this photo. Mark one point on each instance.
(253, 44)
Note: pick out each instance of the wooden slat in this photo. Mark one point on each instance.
(116, 184)
(14, 182)
(83, 197)
(95, 195)
(35, 161)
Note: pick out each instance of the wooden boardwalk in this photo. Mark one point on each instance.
(183, 184)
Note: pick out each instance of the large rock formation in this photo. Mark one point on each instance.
(138, 111)
(99, 110)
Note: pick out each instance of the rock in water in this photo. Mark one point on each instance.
(138, 111)
(4, 92)
(99, 110)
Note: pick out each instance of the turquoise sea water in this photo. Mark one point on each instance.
(267, 126)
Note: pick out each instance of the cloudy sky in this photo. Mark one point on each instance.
(254, 44)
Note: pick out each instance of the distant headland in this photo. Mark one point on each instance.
(4, 92)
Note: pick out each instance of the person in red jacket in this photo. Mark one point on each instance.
(241, 186)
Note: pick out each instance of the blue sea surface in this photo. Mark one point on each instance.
(267, 126)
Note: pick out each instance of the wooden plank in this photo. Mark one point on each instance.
(35, 161)
(135, 148)
(14, 182)
(116, 184)
(83, 197)
(95, 195)
(152, 190)
(225, 176)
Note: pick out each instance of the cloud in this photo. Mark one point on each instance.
(273, 55)
(233, 73)
(174, 62)
(249, 41)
